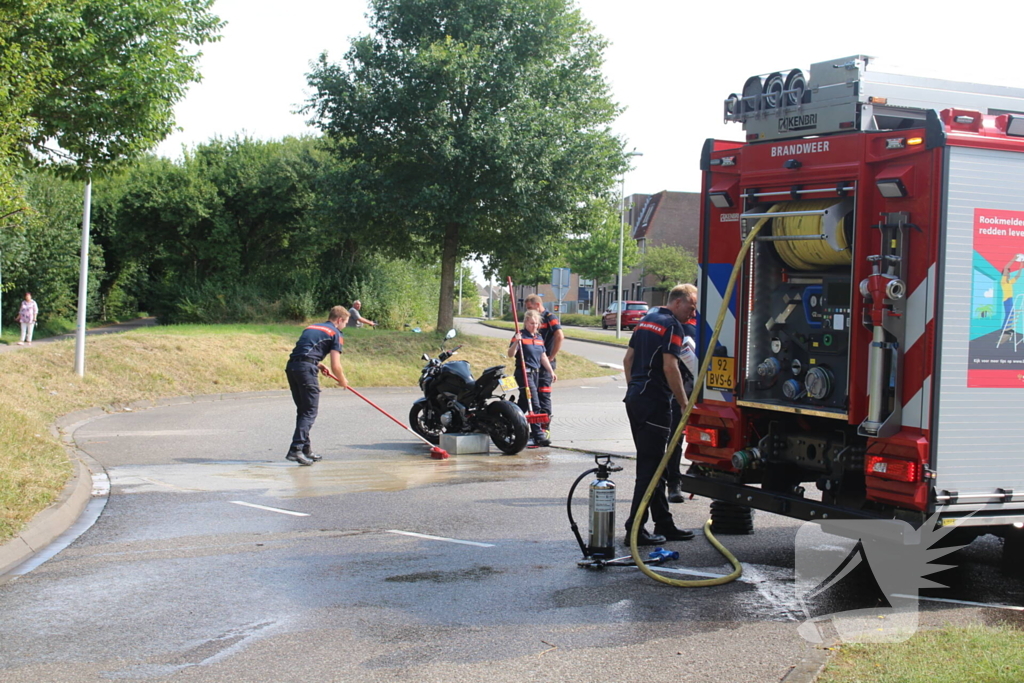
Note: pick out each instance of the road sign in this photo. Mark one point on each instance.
(560, 282)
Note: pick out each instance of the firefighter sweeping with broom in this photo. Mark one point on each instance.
(528, 349)
(303, 368)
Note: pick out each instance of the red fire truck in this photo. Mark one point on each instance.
(871, 364)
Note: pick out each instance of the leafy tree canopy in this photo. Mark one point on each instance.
(474, 127)
(112, 73)
(670, 265)
(593, 251)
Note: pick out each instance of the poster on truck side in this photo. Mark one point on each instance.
(997, 300)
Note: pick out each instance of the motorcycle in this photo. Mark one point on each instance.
(456, 403)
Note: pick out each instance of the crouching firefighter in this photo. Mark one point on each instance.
(303, 370)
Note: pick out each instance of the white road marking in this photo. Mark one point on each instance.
(613, 366)
(440, 538)
(1014, 608)
(264, 507)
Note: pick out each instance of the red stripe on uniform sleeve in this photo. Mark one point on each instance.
(677, 340)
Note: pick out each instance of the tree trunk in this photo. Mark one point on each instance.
(449, 258)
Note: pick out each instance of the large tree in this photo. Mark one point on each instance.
(114, 69)
(593, 251)
(474, 127)
(670, 265)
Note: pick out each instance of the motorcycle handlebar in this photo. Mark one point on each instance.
(445, 355)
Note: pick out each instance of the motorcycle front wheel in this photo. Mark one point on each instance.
(507, 427)
(425, 423)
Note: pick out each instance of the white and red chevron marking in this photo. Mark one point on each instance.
(918, 355)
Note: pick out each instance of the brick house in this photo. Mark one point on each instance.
(671, 218)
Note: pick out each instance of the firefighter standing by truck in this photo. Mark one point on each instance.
(688, 367)
(652, 366)
(551, 332)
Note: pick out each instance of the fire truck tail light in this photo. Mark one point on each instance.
(702, 435)
(892, 468)
(1015, 126)
(914, 141)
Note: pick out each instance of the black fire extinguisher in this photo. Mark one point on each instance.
(602, 511)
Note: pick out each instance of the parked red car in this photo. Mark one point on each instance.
(633, 312)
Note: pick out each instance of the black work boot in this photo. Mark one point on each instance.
(299, 457)
(675, 493)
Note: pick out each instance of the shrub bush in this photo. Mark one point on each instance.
(578, 320)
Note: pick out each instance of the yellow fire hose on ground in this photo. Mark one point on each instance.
(656, 479)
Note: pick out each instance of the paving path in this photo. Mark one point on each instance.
(106, 329)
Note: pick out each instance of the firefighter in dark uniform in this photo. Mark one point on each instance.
(303, 369)
(536, 360)
(689, 368)
(551, 332)
(652, 366)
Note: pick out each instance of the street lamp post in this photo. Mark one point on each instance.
(622, 239)
(83, 279)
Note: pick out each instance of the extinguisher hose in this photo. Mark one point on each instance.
(568, 507)
(656, 479)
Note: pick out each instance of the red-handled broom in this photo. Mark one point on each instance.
(531, 417)
(436, 452)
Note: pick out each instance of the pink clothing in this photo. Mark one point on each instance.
(28, 313)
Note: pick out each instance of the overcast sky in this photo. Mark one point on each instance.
(671, 63)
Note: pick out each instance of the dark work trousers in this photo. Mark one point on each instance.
(544, 387)
(649, 421)
(672, 471)
(533, 405)
(304, 381)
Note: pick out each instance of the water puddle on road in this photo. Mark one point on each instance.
(326, 478)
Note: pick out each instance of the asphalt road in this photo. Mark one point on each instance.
(217, 560)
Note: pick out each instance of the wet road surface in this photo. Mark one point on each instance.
(217, 560)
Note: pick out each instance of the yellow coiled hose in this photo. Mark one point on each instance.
(808, 254)
(656, 479)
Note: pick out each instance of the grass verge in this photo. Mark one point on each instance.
(38, 385)
(569, 334)
(978, 654)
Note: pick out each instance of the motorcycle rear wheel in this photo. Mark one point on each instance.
(507, 427)
(424, 423)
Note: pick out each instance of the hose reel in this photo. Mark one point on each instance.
(813, 234)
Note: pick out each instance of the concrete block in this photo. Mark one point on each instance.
(464, 444)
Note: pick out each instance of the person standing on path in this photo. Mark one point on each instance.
(356, 320)
(651, 365)
(535, 359)
(551, 333)
(27, 316)
(688, 368)
(303, 369)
